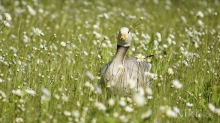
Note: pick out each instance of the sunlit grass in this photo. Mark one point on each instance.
(51, 54)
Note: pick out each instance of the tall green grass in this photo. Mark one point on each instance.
(63, 66)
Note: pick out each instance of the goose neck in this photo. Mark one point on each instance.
(120, 54)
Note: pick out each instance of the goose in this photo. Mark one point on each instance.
(120, 72)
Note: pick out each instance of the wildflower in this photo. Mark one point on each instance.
(217, 111)
(45, 98)
(129, 100)
(100, 106)
(149, 97)
(31, 10)
(211, 107)
(158, 36)
(171, 114)
(37, 31)
(153, 76)
(90, 75)
(175, 109)
(17, 92)
(147, 73)
(67, 113)
(165, 46)
(1, 80)
(200, 23)
(46, 95)
(140, 57)
(64, 98)
(62, 43)
(2, 94)
(45, 91)
(7, 24)
(120, 67)
(57, 96)
(94, 120)
(200, 14)
(146, 114)
(31, 92)
(189, 104)
(90, 86)
(98, 90)
(76, 113)
(123, 118)
(183, 19)
(122, 102)
(7, 17)
(177, 84)
(129, 109)
(115, 114)
(111, 102)
(19, 120)
(162, 108)
(106, 15)
(139, 99)
(131, 83)
(97, 35)
(170, 71)
(140, 91)
(149, 91)
(78, 103)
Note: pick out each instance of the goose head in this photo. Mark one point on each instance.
(124, 37)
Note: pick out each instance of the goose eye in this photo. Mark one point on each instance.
(128, 31)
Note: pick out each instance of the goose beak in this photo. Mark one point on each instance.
(123, 36)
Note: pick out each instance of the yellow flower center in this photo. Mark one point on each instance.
(120, 67)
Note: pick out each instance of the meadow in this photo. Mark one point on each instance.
(51, 53)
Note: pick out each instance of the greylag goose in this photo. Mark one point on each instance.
(121, 73)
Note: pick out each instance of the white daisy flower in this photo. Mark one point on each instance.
(139, 100)
(170, 71)
(200, 14)
(189, 104)
(76, 114)
(46, 92)
(31, 92)
(100, 106)
(129, 109)
(62, 43)
(131, 83)
(1, 80)
(211, 107)
(122, 102)
(146, 114)
(7, 17)
(7, 24)
(175, 109)
(19, 120)
(64, 98)
(171, 114)
(37, 31)
(111, 102)
(17, 92)
(147, 73)
(140, 57)
(149, 91)
(217, 111)
(67, 113)
(141, 91)
(177, 84)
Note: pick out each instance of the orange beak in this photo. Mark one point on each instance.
(123, 36)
